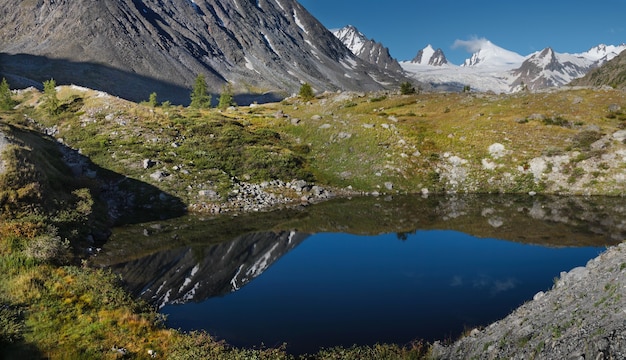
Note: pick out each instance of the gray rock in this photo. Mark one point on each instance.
(614, 108)
(158, 175)
(148, 163)
(620, 135)
(539, 117)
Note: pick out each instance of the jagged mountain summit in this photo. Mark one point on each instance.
(367, 49)
(548, 68)
(430, 56)
(131, 48)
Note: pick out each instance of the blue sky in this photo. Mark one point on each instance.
(406, 26)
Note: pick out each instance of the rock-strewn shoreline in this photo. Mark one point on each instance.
(582, 317)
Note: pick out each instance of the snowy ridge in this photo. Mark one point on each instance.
(488, 54)
(352, 38)
(366, 49)
(492, 68)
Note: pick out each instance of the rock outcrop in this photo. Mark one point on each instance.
(582, 317)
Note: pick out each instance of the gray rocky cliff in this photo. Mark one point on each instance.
(366, 49)
(131, 48)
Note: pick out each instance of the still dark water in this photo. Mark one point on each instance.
(339, 289)
(363, 271)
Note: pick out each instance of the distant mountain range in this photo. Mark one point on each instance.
(492, 68)
(131, 48)
(266, 49)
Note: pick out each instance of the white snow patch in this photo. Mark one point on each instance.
(267, 40)
(257, 268)
(166, 298)
(161, 287)
(298, 22)
(195, 270)
(348, 63)
(184, 285)
(233, 281)
(249, 64)
(191, 293)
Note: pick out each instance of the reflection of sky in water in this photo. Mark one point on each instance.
(338, 289)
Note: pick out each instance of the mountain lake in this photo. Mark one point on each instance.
(360, 271)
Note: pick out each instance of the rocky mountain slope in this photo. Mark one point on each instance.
(612, 73)
(132, 48)
(367, 49)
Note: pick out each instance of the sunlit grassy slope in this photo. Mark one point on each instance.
(557, 142)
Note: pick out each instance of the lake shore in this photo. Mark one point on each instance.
(581, 317)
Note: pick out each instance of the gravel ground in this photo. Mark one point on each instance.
(582, 317)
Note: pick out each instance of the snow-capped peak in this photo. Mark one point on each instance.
(352, 38)
(423, 55)
(603, 52)
(430, 56)
(487, 54)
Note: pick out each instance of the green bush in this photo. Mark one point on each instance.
(584, 139)
(406, 88)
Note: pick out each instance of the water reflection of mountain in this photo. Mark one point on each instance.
(191, 259)
(195, 273)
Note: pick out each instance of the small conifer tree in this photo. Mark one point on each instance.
(50, 101)
(226, 97)
(306, 92)
(6, 100)
(152, 101)
(200, 98)
(406, 88)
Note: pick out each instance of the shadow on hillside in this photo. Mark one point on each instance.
(122, 200)
(24, 70)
